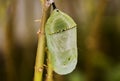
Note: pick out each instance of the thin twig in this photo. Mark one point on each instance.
(49, 76)
(41, 43)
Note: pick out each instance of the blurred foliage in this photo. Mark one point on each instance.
(3, 6)
(98, 25)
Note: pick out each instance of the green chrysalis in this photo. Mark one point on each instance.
(61, 38)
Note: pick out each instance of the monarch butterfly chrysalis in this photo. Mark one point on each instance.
(61, 38)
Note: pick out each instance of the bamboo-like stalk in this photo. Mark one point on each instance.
(41, 43)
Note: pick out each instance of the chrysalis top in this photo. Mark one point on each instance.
(60, 22)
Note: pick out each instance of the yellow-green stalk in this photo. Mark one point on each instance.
(41, 42)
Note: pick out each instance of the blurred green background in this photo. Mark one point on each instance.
(98, 26)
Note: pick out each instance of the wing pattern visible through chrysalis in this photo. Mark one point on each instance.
(63, 48)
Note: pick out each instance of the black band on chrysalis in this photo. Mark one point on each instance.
(53, 4)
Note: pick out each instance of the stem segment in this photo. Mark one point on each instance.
(41, 43)
(49, 76)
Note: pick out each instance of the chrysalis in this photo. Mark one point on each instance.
(61, 36)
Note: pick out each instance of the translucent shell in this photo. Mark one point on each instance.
(61, 36)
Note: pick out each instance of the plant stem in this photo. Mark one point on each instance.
(41, 43)
(49, 68)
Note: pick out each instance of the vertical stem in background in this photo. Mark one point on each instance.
(41, 42)
(92, 42)
(9, 43)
